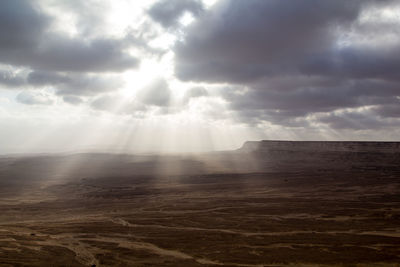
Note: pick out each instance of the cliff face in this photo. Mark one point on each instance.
(323, 154)
(321, 146)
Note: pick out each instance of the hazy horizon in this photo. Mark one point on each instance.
(173, 151)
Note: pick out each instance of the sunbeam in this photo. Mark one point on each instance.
(199, 133)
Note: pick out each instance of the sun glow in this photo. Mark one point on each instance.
(117, 119)
(150, 69)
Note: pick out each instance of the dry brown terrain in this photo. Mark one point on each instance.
(258, 206)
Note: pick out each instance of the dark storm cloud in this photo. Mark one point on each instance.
(78, 84)
(168, 12)
(21, 24)
(293, 59)
(355, 63)
(243, 40)
(283, 105)
(389, 110)
(11, 79)
(359, 120)
(25, 40)
(65, 54)
(74, 84)
(41, 78)
(315, 98)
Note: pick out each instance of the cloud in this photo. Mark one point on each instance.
(70, 84)
(157, 93)
(73, 100)
(358, 120)
(118, 104)
(25, 40)
(389, 110)
(283, 106)
(21, 25)
(34, 98)
(194, 92)
(89, 16)
(11, 79)
(106, 102)
(242, 41)
(168, 12)
(284, 62)
(239, 41)
(74, 84)
(41, 78)
(281, 63)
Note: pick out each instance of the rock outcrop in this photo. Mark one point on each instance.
(342, 155)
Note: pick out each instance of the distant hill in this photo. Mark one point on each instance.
(339, 155)
(321, 146)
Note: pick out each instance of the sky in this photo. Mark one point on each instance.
(192, 75)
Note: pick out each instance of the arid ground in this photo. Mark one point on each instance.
(257, 206)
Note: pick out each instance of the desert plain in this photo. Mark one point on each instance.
(268, 203)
